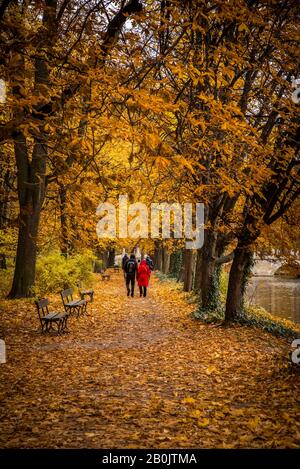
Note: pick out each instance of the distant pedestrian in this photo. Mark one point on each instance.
(125, 258)
(149, 262)
(143, 277)
(130, 270)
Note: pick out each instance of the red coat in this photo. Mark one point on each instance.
(143, 274)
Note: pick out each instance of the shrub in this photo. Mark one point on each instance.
(6, 277)
(55, 272)
(98, 266)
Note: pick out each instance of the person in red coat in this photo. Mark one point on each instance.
(143, 276)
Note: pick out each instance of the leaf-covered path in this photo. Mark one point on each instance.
(141, 373)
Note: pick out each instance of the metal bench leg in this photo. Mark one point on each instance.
(53, 328)
(62, 326)
(65, 324)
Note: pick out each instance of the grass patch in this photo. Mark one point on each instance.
(166, 278)
(258, 317)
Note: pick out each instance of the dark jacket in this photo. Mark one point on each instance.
(131, 268)
(125, 258)
(149, 262)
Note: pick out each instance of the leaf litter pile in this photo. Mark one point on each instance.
(141, 373)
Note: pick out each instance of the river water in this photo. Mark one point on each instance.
(278, 295)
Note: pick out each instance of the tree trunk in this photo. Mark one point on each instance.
(188, 270)
(172, 268)
(111, 258)
(104, 258)
(175, 263)
(31, 173)
(31, 189)
(165, 261)
(64, 239)
(194, 265)
(206, 281)
(24, 274)
(180, 273)
(215, 243)
(198, 272)
(158, 256)
(4, 209)
(236, 284)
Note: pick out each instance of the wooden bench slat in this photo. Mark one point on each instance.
(54, 316)
(75, 303)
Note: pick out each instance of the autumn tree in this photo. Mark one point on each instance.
(230, 73)
(44, 73)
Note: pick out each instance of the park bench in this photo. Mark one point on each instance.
(73, 306)
(89, 293)
(105, 276)
(49, 319)
(84, 293)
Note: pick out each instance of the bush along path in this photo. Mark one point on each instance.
(141, 373)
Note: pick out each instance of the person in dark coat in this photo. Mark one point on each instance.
(143, 276)
(130, 270)
(149, 262)
(124, 260)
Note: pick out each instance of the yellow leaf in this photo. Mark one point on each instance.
(243, 27)
(254, 423)
(203, 423)
(210, 370)
(195, 414)
(189, 400)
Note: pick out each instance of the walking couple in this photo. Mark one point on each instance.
(136, 271)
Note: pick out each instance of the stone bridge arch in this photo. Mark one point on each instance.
(269, 266)
(266, 267)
